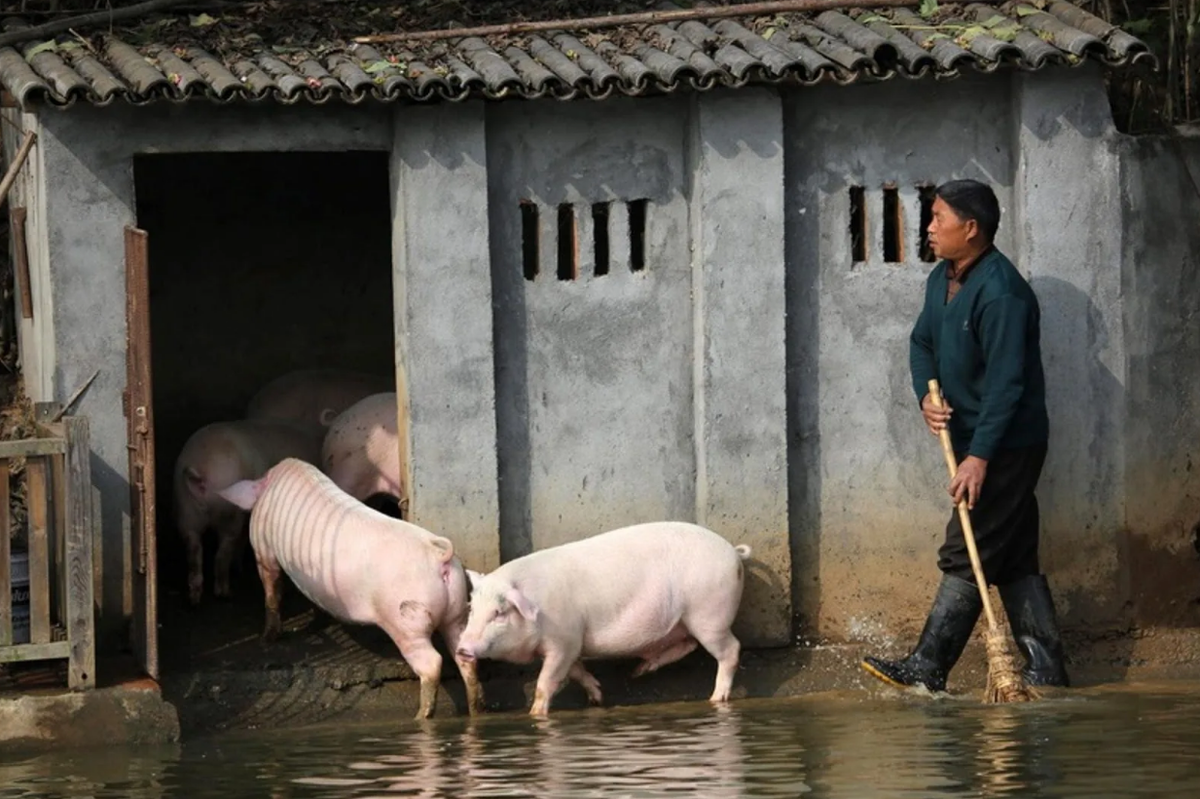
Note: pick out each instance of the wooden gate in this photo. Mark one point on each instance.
(58, 591)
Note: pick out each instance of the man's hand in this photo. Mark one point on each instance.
(935, 418)
(968, 480)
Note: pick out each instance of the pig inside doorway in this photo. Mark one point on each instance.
(260, 264)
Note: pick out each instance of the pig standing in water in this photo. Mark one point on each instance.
(215, 457)
(360, 567)
(313, 397)
(652, 590)
(361, 453)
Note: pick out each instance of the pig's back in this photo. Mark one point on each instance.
(337, 551)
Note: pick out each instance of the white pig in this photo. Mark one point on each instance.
(361, 452)
(214, 457)
(359, 566)
(652, 590)
(313, 397)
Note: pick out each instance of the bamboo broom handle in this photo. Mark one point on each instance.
(935, 394)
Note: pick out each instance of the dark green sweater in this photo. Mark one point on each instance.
(983, 347)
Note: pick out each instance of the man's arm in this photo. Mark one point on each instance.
(920, 355)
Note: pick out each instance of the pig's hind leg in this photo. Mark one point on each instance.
(272, 581)
(722, 645)
(412, 630)
(677, 645)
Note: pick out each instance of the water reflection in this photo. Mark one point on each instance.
(1118, 743)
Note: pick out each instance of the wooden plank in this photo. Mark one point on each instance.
(32, 447)
(140, 412)
(6, 618)
(21, 253)
(23, 652)
(58, 541)
(39, 555)
(80, 612)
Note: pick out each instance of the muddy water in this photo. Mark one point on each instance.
(1116, 742)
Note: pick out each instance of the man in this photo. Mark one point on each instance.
(978, 335)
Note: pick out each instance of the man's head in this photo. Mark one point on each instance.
(966, 216)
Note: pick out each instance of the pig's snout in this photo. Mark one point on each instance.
(465, 654)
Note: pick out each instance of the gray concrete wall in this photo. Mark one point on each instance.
(867, 497)
(1070, 218)
(443, 318)
(89, 197)
(1161, 421)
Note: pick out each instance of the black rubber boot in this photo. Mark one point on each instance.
(1030, 609)
(956, 608)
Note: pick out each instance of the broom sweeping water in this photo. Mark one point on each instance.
(1004, 683)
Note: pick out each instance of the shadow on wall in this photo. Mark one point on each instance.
(1083, 549)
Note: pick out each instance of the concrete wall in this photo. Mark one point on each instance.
(1161, 421)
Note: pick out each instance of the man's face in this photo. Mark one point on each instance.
(950, 236)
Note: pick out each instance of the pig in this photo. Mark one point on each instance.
(359, 566)
(653, 590)
(361, 452)
(214, 457)
(314, 397)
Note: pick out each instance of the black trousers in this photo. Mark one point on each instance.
(1005, 521)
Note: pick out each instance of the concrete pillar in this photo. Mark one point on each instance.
(738, 290)
(1068, 218)
(443, 289)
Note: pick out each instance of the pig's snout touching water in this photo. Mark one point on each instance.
(654, 591)
(361, 451)
(360, 567)
(214, 457)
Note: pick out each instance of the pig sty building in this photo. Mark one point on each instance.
(661, 272)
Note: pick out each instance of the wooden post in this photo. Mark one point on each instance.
(6, 618)
(21, 254)
(39, 555)
(80, 591)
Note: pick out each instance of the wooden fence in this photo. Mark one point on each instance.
(58, 498)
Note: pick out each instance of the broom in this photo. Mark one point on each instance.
(1004, 683)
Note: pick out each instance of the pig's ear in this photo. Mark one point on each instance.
(521, 603)
(473, 578)
(243, 493)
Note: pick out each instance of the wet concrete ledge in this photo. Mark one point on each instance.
(187, 705)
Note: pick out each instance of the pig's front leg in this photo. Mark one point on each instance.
(451, 632)
(581, 675)
(555, 667)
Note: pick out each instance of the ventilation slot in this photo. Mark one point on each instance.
(600, 237)
(529, 239)
(858, 224)
(926, 195)
(568, 245)
(893, 226)
(637, 235)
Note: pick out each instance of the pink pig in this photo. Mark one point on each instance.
(359, 566)
(361, 452)
(652, 590)
(215, 457)
(313, 397)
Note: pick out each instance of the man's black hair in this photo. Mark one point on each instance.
(971, 199)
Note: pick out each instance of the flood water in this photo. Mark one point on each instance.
(1118, 742)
